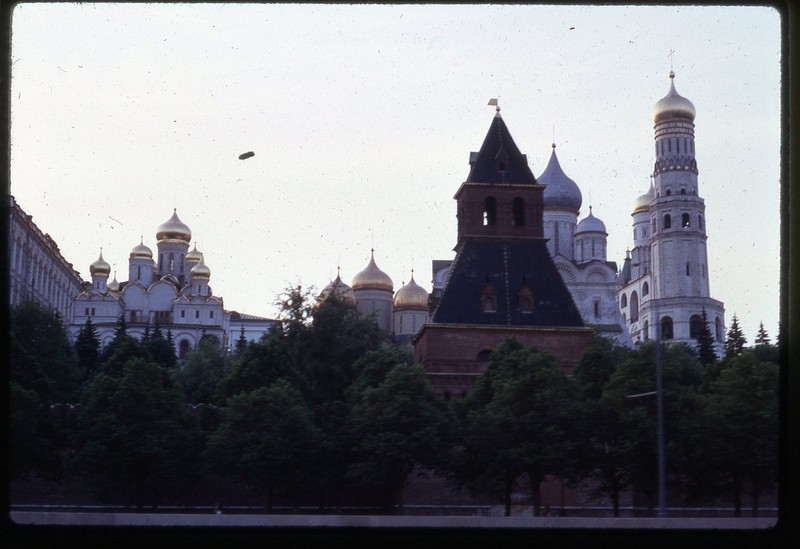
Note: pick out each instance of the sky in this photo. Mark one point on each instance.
(362, 119)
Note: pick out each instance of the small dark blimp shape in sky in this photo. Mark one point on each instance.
(245, 156)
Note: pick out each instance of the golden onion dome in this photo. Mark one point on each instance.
(113, 286)
(140, 250)
(372, 278)
(201, 270)
(411, 296)
(173, 229)
(673, 105)
(100, 267)
(338, 288)
(642, 203)
(194, 254)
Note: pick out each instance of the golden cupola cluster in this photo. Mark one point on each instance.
(411, 296)
(100, 266)
(372, 278)
(174, 229)
(673, 105)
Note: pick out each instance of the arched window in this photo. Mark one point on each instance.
(718, 328)
(645, 289)
(489, 298)
(700, 222)
(484, 355)
(683, 191)
(667, 221)
(624, 301)
(518, 209)
(646, 331)
(634, 306)
(183, 348)
(666, 328)
(695, 325)
(685, 220)
(525, 300)
(489, 211)
(669, 192)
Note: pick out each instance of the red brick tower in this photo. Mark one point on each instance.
(503, 282)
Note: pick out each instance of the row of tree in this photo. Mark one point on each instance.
(324, 411)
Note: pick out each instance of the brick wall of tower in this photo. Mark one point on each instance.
(450, 354)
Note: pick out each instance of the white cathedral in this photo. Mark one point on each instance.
(172, 291)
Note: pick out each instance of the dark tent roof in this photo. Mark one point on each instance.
(509, 267)
(499, 160)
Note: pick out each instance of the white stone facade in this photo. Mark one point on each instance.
(665, 280)
(173, 292)
(37, 270)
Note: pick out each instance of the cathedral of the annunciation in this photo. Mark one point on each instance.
(660, 289)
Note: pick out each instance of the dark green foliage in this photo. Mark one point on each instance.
(134, 437)
(262, 363)
(735, 341)
(743, 423)
(705, 343)
(87, 348)
(33, 438)
(397, 424)
(763, 337)
(268, 440)
(683, 376)
(203, 370)
(516, 421)
(241, 343)
(596, 366)
(603, 439)
(43, 338)
(161, 350)
(336, 339)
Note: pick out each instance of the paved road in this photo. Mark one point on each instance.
(368, 521)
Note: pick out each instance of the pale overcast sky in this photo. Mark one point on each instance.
(362, 119)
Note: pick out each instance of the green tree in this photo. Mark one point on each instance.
(603, 437)
(203, 370)
(268, 439)
(241, 343)
(262, 363)
(763, 337)
(735, 341)
(134, 436)
(517, 420)
(632, 391)
(161, 350)
(40, 332)
(33, 442)
(87, 348)
(743, 409)
(397, 424)
(705, 342)
(337, 337)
